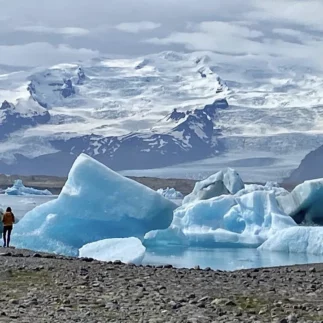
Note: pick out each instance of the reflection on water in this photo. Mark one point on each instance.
(225, 259)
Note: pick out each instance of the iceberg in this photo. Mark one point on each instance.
(127, 250)
(249, 188)
(224, 221)
(223, 182)
(19, 188)
(96, 203)
(299, 239)
(304, 203)
(170, 193)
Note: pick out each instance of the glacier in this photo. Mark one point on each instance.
(127, 250)
(95, 204)
(223, 182)
(19, 188)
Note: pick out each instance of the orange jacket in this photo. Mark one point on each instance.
(8, 219)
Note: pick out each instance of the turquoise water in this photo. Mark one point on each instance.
(226, 259)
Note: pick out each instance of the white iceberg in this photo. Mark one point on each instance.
(127, 250)
(19, 188)
(170, 193)
(256, 216)
(299, 239)
(223, 182)
(224, 221)
(304, 203)
(95, 204)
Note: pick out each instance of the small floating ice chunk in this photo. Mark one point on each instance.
(19, 188)
(170, 193)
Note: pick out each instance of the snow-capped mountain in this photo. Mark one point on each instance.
(154, 111)
(15, 117)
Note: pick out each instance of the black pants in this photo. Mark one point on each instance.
(6, 234)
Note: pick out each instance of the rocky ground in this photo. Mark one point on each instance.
(43, 288)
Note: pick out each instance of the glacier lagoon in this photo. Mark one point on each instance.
(223, 258)
(215, 258)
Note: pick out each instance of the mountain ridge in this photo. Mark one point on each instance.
(154, 111)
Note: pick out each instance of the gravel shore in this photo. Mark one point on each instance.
(39, 287)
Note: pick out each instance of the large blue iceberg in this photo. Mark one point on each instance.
(253, 216)
(95, 204)
(19, 188)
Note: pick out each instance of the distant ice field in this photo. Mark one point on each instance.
(274, 117)
(252, 167)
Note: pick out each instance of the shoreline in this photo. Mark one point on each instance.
(39, 287)
(55, 184)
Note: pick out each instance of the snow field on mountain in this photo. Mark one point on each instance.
(272, 109)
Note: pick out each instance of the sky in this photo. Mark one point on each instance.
(38, 33)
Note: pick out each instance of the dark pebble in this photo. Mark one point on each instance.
(87, 259)
(168, 266)
(117, 262)
(37, 255)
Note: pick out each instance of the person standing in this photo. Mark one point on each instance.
(1, 224)
(8, 220)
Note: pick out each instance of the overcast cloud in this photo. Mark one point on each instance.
(48, 32)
